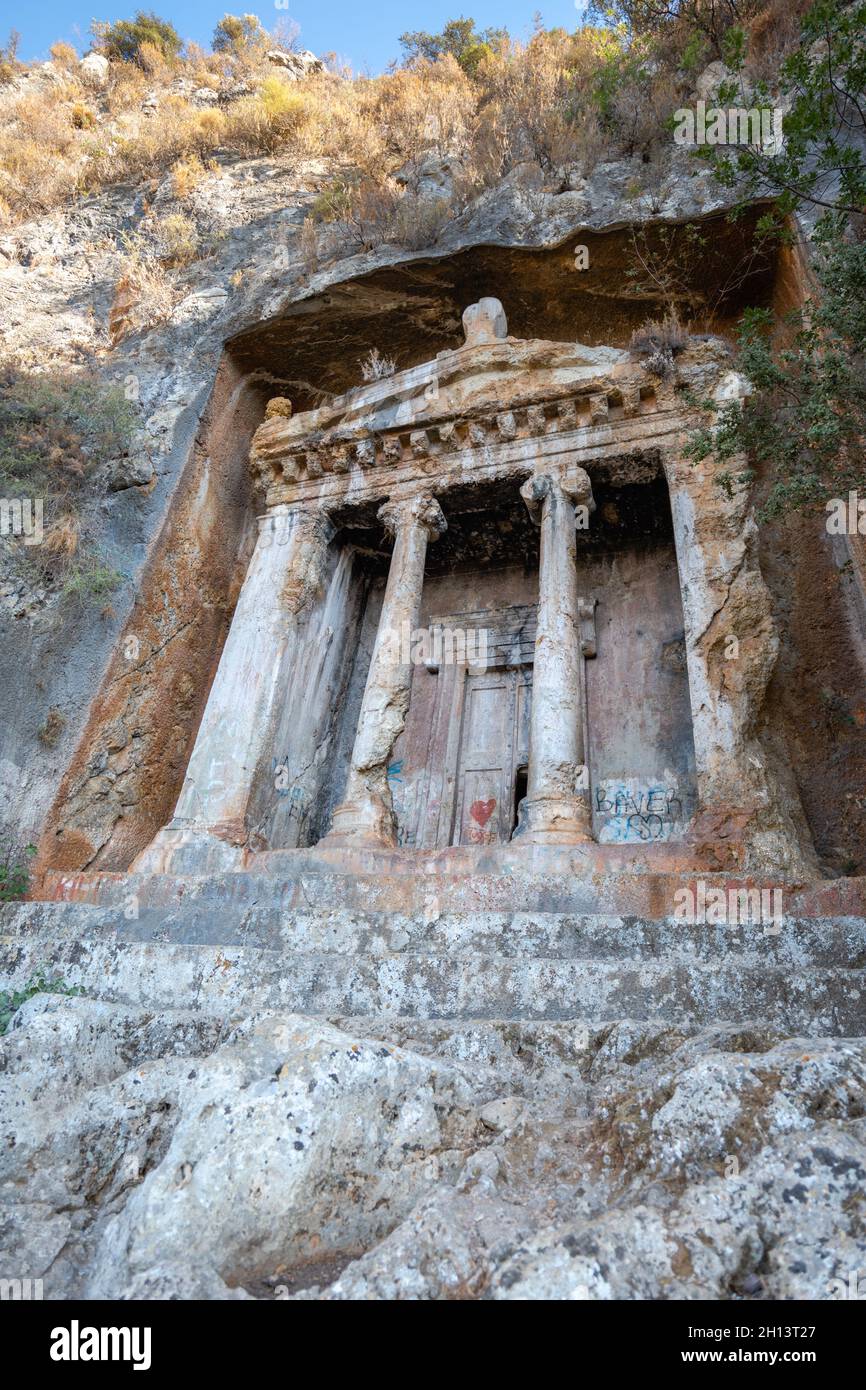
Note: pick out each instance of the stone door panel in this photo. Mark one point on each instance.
(457, 763)
(486, 758)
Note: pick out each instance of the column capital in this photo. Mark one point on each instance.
(307, 520)
(569, 479)
(422, 510)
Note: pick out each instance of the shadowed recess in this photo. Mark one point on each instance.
(412, 310)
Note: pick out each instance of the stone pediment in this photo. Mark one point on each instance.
(489, 407)
(468, 379)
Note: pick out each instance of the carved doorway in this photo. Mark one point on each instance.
(494, 746)
(460, 763)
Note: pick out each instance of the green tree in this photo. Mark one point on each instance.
(823, 82)
(806, 421)
(684, 20)
(459, 38)
(126, 38)
(235, 33)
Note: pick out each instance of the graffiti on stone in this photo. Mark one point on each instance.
(632, 811)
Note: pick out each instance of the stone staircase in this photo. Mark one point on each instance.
(205, 950)
(509, 1099)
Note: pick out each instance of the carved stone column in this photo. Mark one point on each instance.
(556, 808)
(366, 814)
(209, 828)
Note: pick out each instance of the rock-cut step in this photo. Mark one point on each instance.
(808, 979)
(795, 942)
(298, 880)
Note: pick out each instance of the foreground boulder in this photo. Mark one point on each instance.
(175, 1155)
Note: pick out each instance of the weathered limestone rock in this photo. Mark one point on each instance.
(176, 1156)
(767, 1126)
(295, 65)
(241, 1190)
(234, 944)
(445, 1251)
(94, 66)
(731, 645)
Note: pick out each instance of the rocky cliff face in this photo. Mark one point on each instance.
(224, 1132)
(251, 318)
(102, 699)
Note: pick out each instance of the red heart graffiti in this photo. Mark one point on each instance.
(482, 810)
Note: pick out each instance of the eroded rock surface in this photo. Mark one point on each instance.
(177, 1155)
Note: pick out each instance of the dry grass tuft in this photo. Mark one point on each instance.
(62, 539)
(63, 54)
(374, 367)
(658, 341)
(187, 173)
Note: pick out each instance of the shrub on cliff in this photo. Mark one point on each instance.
(14, 883)
(57, 430)
(459, 40)
(238, 34)
(478, 101)
(9, 65)
(129, 40)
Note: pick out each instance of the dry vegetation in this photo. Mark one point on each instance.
(557, 103)
(59, 432)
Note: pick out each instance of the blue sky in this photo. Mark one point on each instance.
(365, 37)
